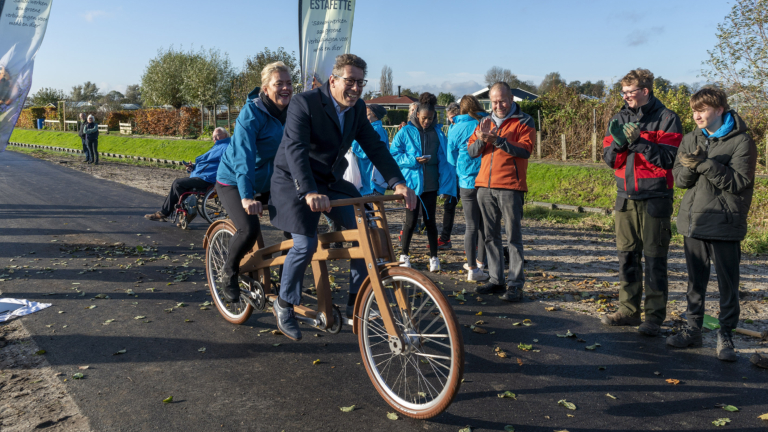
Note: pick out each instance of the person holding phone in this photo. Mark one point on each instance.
(420, 149)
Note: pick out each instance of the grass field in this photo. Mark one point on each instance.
(173, 149)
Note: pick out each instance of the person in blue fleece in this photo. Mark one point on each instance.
(368, 173)
(202, 175)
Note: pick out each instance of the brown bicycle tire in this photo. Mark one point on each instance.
(457, 344)
(242, 318)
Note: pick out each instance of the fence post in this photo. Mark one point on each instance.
(594, 135)
(538, 138)
(565, 154)
(766, 152)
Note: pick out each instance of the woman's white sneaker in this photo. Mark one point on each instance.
(405, 260)
(434, 264)
(480, 266)
(476, 275)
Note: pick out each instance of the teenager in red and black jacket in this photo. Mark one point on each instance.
(641, 145)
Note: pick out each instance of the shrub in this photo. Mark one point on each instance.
(114, 118)
(395, 117)
(182, 122)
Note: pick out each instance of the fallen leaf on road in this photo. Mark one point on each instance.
(479, 330)
(276, 345)
(527, 322)
(721, 421)
(169, 399)
(181, 304)
(601, 368)
(481, 322)
(730, 408)
(479, 313)
(509, 428)
(202, 350)
(673, 381)
(561, 430)
(392, 416)
(610, 396)
(83, 367)
(566, 404)
(61, 311)
(657, 373)
(40, 352)
(507, 394)
(552, 308)
(91, 306)
(592, 347)
(101, 296)
(567, 335)
(316, 362)
(520, 361)
(139, 317)
(524, 347)
(763, 417)
(466, 429)
(77, 376)
(277, 332)
(347, 409)
(535, 341)
(122, 351)
(500, 352)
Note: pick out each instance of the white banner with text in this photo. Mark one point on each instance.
(325, 31)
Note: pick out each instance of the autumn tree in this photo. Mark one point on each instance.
(385, 82)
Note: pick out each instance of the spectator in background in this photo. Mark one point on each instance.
(449, 205)
(716, 163)
(202, 175)
(91, 132)
(411, 108)
(504, 141)
(641, 145)
(464, 125)
(374, 113)
(420, 151)
(243, 181)
(81, 133)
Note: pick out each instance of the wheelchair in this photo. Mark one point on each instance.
(206, 203)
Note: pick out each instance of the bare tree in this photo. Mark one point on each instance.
(385, 82)
(498, 74)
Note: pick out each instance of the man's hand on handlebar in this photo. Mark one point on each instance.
(252, 206)
(318, 202)
(408, 194)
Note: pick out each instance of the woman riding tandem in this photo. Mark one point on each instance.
(245, 172)
(420, 151)
(467, 168)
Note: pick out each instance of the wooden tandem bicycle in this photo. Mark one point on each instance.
(409, 337)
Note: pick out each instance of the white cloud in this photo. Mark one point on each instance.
(90, 16)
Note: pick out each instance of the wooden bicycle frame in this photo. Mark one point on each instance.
(373, 243)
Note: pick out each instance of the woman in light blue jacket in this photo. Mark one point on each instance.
(467, 169)
(245, 171)
(420, 151)
(367, 170)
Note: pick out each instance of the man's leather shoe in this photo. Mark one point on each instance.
(231, 289)
(512, 294)
(649, 328)
(286, 321)
(490, 288)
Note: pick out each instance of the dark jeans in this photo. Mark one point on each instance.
(449, 212)
(247, 226)
(86, 152)
(726, 256)
(640, 235)
(474, 233)
(428, 204)
(93, 150)
(179, 187)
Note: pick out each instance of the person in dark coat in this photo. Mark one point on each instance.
(81, 133)
(91, 132)
(309, 170)
(716, 164)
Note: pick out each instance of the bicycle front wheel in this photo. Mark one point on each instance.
(215, 256)
(420, 376)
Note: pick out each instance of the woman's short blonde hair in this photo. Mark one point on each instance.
(266, 73)
(91, 117)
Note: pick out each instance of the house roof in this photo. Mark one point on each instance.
(392, 100)
(518, 93)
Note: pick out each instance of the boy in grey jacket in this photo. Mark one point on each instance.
(716, 163)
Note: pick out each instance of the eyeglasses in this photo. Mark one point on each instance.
(349, 82)
(631, 92)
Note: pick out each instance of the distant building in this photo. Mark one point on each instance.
(393, 102)
(517, 95)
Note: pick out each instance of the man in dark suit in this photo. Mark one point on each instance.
(309, 170)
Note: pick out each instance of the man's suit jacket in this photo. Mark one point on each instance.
(311, 158)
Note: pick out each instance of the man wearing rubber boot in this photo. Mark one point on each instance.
(309, 170)
(641, 145)
(717, 165)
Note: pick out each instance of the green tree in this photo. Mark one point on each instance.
(163, 78)
(207, 76)
(370, 94)
(409, 92)
(662, 84)
(87, 92)
(133, 94)
(385, 82)
(47, 95)
(249, 77)
(551, 81)
(445, 98)
(497, 74)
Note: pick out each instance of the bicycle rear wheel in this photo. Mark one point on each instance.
(215, 256)
(211, 207)
(421, 377)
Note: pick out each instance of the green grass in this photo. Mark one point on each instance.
(173, 149)
(573, 185)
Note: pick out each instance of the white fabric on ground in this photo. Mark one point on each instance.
(13, 308)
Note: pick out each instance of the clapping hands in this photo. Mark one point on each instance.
(488, 131)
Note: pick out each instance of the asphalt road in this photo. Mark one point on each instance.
(243, 382)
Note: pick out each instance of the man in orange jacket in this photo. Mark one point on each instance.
(504, 141)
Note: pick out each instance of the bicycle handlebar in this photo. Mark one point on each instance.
(368, 199)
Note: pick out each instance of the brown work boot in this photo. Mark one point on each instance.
(759, 361)
(649, 328)
(618, 319)
(157, 216)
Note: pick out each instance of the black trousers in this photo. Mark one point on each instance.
(427, 204)
(247, 226)
(178, 188)
(93, 150)
(85, 150)
(726, 256)
(449, 212)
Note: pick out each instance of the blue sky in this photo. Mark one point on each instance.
(430, 45)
